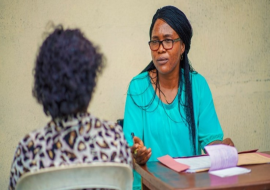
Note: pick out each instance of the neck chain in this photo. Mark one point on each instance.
(160, 91)
(165, 95)
(166, 98)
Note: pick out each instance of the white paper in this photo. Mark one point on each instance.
(230, 171)
(195, 163)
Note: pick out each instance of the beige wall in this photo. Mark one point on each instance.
(230, 47)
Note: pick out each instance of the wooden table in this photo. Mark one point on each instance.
(156, 176)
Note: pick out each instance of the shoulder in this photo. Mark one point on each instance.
(198, 81)
(140, 76)
(23, 154)
(109, 128)
(139, 81)
(111, 142)
(197, 78)
(29, 140)
(200, 86)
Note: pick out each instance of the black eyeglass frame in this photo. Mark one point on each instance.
(161, 42)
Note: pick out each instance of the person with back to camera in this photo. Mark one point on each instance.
(169, 106)
(65, 75)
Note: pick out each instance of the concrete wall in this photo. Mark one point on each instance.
(230, 47)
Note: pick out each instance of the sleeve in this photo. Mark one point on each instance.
(17, 167)
(133, 121)
(209, 128)
(133, 118)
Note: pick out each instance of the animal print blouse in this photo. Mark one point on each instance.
(80, 138)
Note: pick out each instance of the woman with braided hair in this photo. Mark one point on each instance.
(169, 106)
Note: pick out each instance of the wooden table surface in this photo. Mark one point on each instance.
(156, 176)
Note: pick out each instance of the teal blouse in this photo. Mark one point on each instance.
(160, 125)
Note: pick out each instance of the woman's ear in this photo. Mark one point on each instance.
(183, 47)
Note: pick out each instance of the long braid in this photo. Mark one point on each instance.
(189, 102)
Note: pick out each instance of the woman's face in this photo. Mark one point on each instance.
(166, 61)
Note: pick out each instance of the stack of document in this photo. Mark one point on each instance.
(196, 164)
(222, 160)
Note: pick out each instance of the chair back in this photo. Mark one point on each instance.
(93, 175)
(120, 122)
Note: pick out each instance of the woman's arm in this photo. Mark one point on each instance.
(209, 129)
(17, 168)
(226, 141)
(133, 123)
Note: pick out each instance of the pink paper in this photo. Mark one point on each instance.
(171, 163)
(222, 156)
(263, 154)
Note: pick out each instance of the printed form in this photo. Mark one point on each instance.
(222, 161)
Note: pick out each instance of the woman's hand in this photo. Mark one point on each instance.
(226, 141)
(139, 151)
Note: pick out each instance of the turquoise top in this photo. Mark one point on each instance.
(160, 125)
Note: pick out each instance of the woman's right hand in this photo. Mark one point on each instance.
(140, 153)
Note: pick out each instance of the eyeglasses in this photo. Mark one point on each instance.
(167, 44)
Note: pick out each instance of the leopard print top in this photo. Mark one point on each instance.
(80, 138)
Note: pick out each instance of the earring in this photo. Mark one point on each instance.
(181, 57)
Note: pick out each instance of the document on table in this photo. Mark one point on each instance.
(171, 163)
(222, 159)
(222, 156)
(230, 171)
(196, 164)
(253, 158)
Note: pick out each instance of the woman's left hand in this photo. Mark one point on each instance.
(226, 141)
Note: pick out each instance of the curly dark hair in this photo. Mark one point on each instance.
(65, 72)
